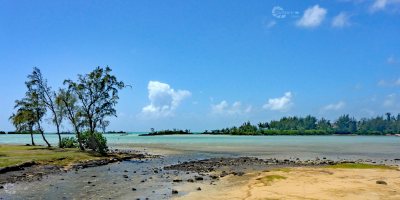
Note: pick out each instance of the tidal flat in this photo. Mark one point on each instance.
(192, 167)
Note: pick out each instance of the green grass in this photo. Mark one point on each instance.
(13, 155)
(266, 180)
(359, 166)
(282, 170)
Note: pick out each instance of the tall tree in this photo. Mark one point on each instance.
(68, 104)
(104, 124)
(36, 108)
(346, 124)
(47, 96)
(98, 95)
(24, 118)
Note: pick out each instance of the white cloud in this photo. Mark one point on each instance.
(380, 5)
(335, 106)
(163, 99)
(280, 104)
(389, 83)
(225, 109)
(270, 24)
(390, 100)
(312, 17)
(341, 20)
(391, 60)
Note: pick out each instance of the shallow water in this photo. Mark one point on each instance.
(109, 182)
(379, 148)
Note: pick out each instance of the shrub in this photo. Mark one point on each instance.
(95, 141)
(68, 142)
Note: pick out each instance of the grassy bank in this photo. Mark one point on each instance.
(13, 155)
(359, 166)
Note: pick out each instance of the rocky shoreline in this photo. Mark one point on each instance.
(33, 171)
(241, 165)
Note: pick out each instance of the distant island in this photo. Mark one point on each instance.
(310, 125)
(167, 132)
(115, 132)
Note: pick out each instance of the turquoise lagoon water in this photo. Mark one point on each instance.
(379, 148)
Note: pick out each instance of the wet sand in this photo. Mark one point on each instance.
(154, 179)
(304, 183)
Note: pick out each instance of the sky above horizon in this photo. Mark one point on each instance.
(210, 64)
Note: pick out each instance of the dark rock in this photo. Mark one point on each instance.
(125, 176)
(89, 182)
(199, 188)
(380, 182)
(1, 187)
(238, 173)
(190, 180)
(177, 180)
(174, 191)
(125, 170)
(214, 176)
(133, 189)
(198, 178)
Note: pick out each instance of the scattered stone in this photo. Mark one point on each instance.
(1, 187)
(89, 182)
(177, 180)
(190, 180)
(199, 188)
(133, 189)
(380, 182)
(125, 170)
(125, 176)
(238, 173)
(174, 191)
(214, 176)
(198, 178)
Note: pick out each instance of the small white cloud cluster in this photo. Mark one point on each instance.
(312, 17)
(280, 104)
(335, 106)
(380, 5)
(163, 99)
(390, 100)
(223, 108)
(341, 20)
(389, 83)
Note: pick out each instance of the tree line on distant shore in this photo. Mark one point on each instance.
(85, 103)
(310, 125)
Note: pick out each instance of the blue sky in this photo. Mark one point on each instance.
(210, 64)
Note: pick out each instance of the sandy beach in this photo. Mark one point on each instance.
(305, 183)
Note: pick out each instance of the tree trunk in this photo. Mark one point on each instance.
(31, 131)
(59, 135)
(48, 144)
(42, 133)
(78, 135)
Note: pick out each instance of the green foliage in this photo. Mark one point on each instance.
(95, 141)
(310, 125)
(97, 93)
(68, 142)
(360, 166)
(346, 125)
(168, 132)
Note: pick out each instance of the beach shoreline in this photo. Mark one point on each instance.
(178, 170)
